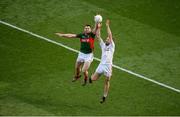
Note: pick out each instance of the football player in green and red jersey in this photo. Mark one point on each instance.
(85, 56)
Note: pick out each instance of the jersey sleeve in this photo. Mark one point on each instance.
(112, 43)
(101, 42)
(93, 35)
(79, 35)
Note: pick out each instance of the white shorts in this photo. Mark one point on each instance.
(85, 57)
(105, 69)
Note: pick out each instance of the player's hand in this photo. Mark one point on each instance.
(99, 25)
(107, 22)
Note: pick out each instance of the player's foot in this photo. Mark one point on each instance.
(76, 78)
(85, 82)
(103, 100)
(90, 80)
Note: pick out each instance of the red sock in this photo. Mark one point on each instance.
(85, 78)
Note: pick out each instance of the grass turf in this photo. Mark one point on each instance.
(35, 81)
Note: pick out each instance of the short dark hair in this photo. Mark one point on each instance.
(88, 25)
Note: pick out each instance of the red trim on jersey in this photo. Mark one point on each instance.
(85, 40)
(88, 40)
(91, 42)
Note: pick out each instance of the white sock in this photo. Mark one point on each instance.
(105, 94)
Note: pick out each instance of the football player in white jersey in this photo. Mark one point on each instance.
(105, 66)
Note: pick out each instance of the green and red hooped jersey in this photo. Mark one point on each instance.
(87, 42)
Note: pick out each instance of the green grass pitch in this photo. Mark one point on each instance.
(35, 76)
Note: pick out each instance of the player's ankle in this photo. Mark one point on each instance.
(105, 95)
(90, 80)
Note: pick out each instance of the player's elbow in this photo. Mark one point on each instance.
(98, 37)
(71, 36)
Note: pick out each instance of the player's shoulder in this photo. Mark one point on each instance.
(101, 42)
(92, 34)
(112, 43)
(79, 35)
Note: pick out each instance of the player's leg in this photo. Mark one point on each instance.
(94, 77)
(77, 70)
(108, 74)
(106, 89)
(85, 71)
(97, 74)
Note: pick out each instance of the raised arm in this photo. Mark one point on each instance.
(98, 32)
(108, 30)
(67, 35)
(95, 28)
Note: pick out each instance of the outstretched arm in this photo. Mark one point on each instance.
(67, 35)
(109, 30)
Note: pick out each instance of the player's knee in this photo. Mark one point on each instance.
(107, 83)
(107, 80)
(78, 68)
(84, 70)
(78, 64)
(93, 77)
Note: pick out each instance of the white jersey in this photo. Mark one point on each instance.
(107, 52)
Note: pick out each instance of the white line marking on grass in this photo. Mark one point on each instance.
(71, 49)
